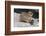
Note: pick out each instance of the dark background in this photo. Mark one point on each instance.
(34, 11)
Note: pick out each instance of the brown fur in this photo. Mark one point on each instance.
(26, 17)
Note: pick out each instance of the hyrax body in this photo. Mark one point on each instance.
(26, 17)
